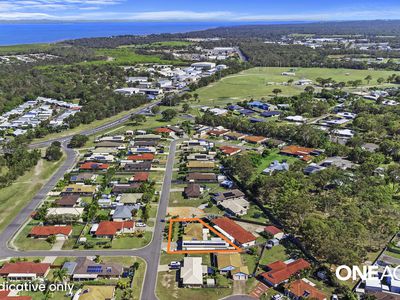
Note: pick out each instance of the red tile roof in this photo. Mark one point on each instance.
(25, 267)
(229, 150)
(16, 298)
(216, 132)
(162, 130)
(297, 151)
(141, 157)
(111, 228)
(94, 166)
(254, 138)
(141, 176)
(50, 230)
(279, 271)
(236, 231)
(300, 288)
(272, 230)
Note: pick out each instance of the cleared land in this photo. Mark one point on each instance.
(260, 82)
(14, 197)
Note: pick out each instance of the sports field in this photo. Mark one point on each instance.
(260, 82)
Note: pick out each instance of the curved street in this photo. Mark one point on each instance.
(150, 253)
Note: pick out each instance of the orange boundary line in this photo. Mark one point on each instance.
(169, 251)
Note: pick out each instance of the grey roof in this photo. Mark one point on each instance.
(124, 212)
(70, 267)
(277, 166)
(86, 266)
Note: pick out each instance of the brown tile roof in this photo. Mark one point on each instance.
(279, 271)
(50, 230)
(107, 269)
(141, 176)
(254, 139)
(297, 151)
(200, 164)
(68, 200)
(162, 130)
(300, 288)
(142, 157)
(123, 188)
(111, 228)
(192, 190)
(201, 176)
(272, 230)
(240, 234)
(229, 150)
(25, 267)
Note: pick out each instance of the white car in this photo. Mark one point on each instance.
(140, 225)
(277, 297)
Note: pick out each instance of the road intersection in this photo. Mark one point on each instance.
(150, 253)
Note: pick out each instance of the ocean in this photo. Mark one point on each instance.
(20, 33)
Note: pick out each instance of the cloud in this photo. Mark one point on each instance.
(180, 16)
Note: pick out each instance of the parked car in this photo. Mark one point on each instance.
(277, 297)
(138, 224)
(175, 265)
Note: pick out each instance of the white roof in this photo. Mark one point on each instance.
(192, 271)
(77, 211)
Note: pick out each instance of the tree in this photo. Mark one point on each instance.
(155, 109)
(309, 89)
(185, 107)
(53, 152)
(368, 78)
(78, 141)
(276, 92)
(381, 80)
(196, 97)
(168, 114)
(60, 274)
(138, 119)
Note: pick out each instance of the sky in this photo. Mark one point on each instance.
(245, 11)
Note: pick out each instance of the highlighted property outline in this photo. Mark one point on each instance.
(169, 251)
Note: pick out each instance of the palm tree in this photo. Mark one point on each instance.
(60, 274)
(368, 78)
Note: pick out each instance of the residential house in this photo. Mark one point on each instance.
(201, 177)
(139, 177)
(163, 131)
(252, 139)
(142, 157)
(303, 289)
(124, 213)
(148, 137)
(24, 270)
(234, 232)
(108, 229)
(68, 201)
(217, 132)
(94, 166)
(60, 232)
(121, 188)
(301, 152)
(276, 166)
(259, 105)
(229, 150)
(274, 232)
(60, 211)
(83, 177)
(204, 166)
(228, 195)
(86, 269)
(313, 168)
(79, 189)
(136, 166)
(231, 264)
(279, 271)
(235, 136)
(192, 190)
(191, 274)
(269, 114)
(9, 295)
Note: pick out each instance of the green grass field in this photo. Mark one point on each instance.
(126, 56)
(254, 83)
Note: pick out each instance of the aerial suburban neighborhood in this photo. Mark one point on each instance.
(257, 161)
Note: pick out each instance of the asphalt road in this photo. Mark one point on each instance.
(97, 129)
(150, 253)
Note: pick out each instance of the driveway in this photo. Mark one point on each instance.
(239, 287)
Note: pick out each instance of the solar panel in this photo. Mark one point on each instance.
(94, 269)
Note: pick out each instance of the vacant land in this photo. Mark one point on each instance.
(126, 56)
(14, 197)
(260, 82)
